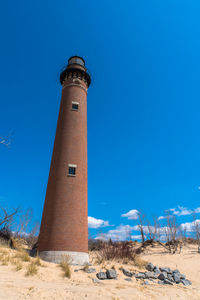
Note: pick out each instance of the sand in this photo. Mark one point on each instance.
(49, 283)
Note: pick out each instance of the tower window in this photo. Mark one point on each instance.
(72, 170)
(75, 106)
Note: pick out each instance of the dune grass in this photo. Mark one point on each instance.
(65, 266)
(18, 266)
(22, 255)
(5, 260)
(32, 269)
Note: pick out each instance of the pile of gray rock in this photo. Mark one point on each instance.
(164, 275)
(160, 275)
(109, 274)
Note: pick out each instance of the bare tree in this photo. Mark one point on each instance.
(196, 227)
(23, 222)
(171, 233)
(141, 218)
(6, 218)
(149, 230)
(183, 233)
(157, 230)
(32, 237)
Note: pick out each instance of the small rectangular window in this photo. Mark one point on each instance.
(75, 106)
(72, 170)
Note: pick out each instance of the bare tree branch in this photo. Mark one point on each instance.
(7, 218)
(141, 218)
(196, 229)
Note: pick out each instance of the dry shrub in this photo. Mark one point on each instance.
(4, 244)
(5, 236)
(23, 255)
(126, 260)
(116, 251)
(3, 251)
(104, 266)
(95, 245)
(17, 263)
(18, 266)
(17, 243)
(191, 241)
(85, 267)
(37, 262)
(4, 256)
(5, 260)
(65, 266)
(32, 269)
(139, 262)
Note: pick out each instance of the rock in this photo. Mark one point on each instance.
(176, 271)
(127, 273)
(160, 282)
(128, 279)
(145, 282)
(95, 280)
(182, 276)
(140, 276)
(169, 271)
(101, 275)
(162, 276)
(169, 276)
(90, 270)
(176, 277)
(167, 281)
(165, 269)
(185, 282)
(76, 270)
(156, 270)
(150, 267)
(150, 275)
(111, 274)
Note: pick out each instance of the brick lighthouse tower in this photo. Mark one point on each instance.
(64, 226)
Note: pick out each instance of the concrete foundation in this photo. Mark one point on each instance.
(75, 258)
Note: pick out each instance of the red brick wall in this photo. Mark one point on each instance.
(64, 224)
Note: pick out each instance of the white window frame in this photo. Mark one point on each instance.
(71, 166)
(76, 103)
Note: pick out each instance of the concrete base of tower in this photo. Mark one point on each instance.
(75, 258)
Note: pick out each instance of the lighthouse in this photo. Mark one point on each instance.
(64, 226)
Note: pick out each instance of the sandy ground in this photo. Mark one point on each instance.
(49, 283)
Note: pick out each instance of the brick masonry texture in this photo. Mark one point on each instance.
(64, 225)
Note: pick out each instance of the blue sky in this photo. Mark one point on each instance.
(143, 103)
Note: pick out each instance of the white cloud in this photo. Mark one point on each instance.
(182, 211)
(145, 228)
(161, 230)
(137, 237)
(190, 226)
(131, 215)
(96, 223)
(172, 209)
(161, 218)
(197, 210)
(121, 233)
(163, 237)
